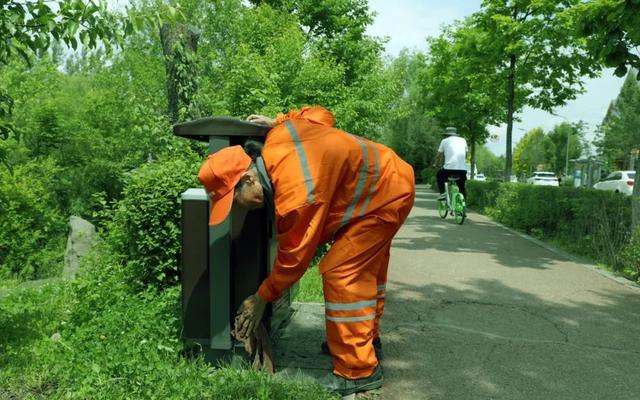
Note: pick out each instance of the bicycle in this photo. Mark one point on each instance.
(453, 202)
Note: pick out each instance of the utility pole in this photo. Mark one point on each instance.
(566, 163)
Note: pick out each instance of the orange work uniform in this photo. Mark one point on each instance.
(329, 184)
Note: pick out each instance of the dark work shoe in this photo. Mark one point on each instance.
(345, 387)
(377, 346)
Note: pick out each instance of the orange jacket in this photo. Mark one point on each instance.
(323, 178)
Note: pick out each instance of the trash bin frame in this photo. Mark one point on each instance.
(221, 132)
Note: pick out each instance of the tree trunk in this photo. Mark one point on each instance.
(635, 201)
(179, 45)
(473, 157)
(511, 95)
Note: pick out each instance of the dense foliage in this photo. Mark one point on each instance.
(631, 256)
(612, 30)
(518, 38)
(96, 338)
(619, 133)
(587, 222)
(618, 139)
(32, 227)
(549, 151)
(143, 231)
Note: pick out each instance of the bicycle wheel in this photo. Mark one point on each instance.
(443, 209)
(459, 209)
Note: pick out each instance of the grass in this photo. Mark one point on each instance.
(96, 338)
(310, 287)
(9, 284)
(570, 248)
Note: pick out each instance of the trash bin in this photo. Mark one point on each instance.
(218, 273)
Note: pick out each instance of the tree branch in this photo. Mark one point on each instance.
(524, 17)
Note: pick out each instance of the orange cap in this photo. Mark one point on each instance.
(219, 175)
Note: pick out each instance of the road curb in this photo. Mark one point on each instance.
(571, 257)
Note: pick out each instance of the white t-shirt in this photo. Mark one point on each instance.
(455, 152)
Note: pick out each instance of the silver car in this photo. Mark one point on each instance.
(618, 181)
(543, 179)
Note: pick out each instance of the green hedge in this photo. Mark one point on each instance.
(481, 195)
(143, 228)
(631, 256)
(587, 222)
(32, 228)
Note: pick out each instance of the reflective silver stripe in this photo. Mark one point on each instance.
(362, 178)
(376, 175)
(382, 287)
(303, 160)
(350, 306)
(352, 319)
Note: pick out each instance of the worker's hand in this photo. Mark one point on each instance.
(249, 315)
(262, 120)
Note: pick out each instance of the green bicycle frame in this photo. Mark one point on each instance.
(453, 204)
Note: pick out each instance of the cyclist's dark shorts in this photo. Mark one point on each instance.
(443, 174)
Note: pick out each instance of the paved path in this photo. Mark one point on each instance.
(479, 312)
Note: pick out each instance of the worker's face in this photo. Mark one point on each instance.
(250, 196)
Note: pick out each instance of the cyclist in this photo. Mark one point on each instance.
(452, 155)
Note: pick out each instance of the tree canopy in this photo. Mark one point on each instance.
(619, 134)
(458, 87)
(612, 30)
(533, 50)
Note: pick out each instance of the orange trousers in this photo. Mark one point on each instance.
(354, 283)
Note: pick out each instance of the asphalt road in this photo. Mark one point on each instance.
(479, 312)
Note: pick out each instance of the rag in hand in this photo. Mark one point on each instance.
(258, 345)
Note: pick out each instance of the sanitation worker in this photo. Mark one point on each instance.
(324, 184)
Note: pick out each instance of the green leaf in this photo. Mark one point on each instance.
(620, 71)
(85, 39)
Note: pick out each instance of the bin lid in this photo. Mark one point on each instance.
(201, 129)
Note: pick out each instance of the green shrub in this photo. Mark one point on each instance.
(95, 338)
(585, 221)
(529, 207)
(599, 225)
(631, 256)
(32, 229)
(144, 229)
(428, 176)
(481, 195)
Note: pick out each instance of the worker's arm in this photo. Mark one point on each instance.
(299, 233)
(299, 236)
(262, 120)
(438, 160)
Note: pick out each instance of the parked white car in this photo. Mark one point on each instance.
(480, 177)
(618, 181)
(543, 179)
